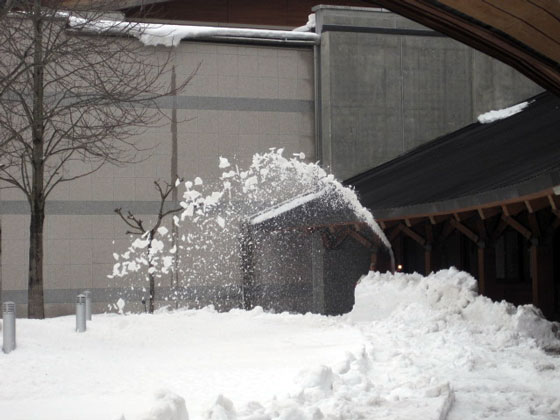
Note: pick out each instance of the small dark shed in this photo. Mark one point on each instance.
(306, 255)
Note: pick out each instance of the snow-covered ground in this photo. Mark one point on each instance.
(413, 348)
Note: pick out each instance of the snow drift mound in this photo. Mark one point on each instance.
(445, 298)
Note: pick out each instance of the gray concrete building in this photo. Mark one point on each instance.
(375, 86)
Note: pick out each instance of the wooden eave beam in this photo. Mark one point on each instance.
(536, 204)
(500, 227)
(487, 213)
(464, 215)
(413, 235)
(360, 238)
(553, 202)
(395, 232)
(513, 209)
(464, 230)
(517, 226)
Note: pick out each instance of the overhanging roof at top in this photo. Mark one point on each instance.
(478, 166)
(522, 33)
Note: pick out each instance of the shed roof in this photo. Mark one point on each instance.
(475, 166)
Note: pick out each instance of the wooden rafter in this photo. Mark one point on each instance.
(413, 235)
(488, 212)
(517, 226)
(360, 238)
(464, 230)
(499, 229)
(534, 224)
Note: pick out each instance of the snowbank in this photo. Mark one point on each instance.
(445, 297)
(500, 114)
(413, 347)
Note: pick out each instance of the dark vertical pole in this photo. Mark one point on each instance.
(541, 258)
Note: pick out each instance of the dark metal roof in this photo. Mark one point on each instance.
(477, 165)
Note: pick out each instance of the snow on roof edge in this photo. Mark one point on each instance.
(500, 114)
(171, 35)
(284, 207)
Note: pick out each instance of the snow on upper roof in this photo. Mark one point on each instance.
(309, 26)
(285, 207)
(500, 114)
(171, 35)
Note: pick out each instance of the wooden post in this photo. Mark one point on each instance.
(542, 278)
(486, 268)
(428, 259)
(398, 252)
(429, 250)
(373, 261)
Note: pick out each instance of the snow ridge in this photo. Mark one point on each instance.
(496, 115)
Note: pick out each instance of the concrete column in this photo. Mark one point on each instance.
(541, 258)
(318, 273)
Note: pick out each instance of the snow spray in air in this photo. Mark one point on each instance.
(196, 258)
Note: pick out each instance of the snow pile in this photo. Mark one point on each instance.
(501, 114)
(353, 391)
(413, 347)
(167, 406)
(448, 296)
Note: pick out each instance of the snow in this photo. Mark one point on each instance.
(214, 213)
(413, 347)
(284, 207)
(501, 114)
(171, 35)
(224, 163)
(309, 26)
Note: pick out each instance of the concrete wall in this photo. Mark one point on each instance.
(382, 85)
(388, 85)
(243, 100)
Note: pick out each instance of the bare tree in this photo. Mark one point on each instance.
(75, 90)
(137, 227)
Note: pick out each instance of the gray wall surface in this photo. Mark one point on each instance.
(387, 85)
(243, 100)
(377, 86)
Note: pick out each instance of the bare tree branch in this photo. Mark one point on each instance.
(137, 225)
(69, 96)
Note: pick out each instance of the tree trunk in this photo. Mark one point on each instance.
(152, 292)
(35, 300)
